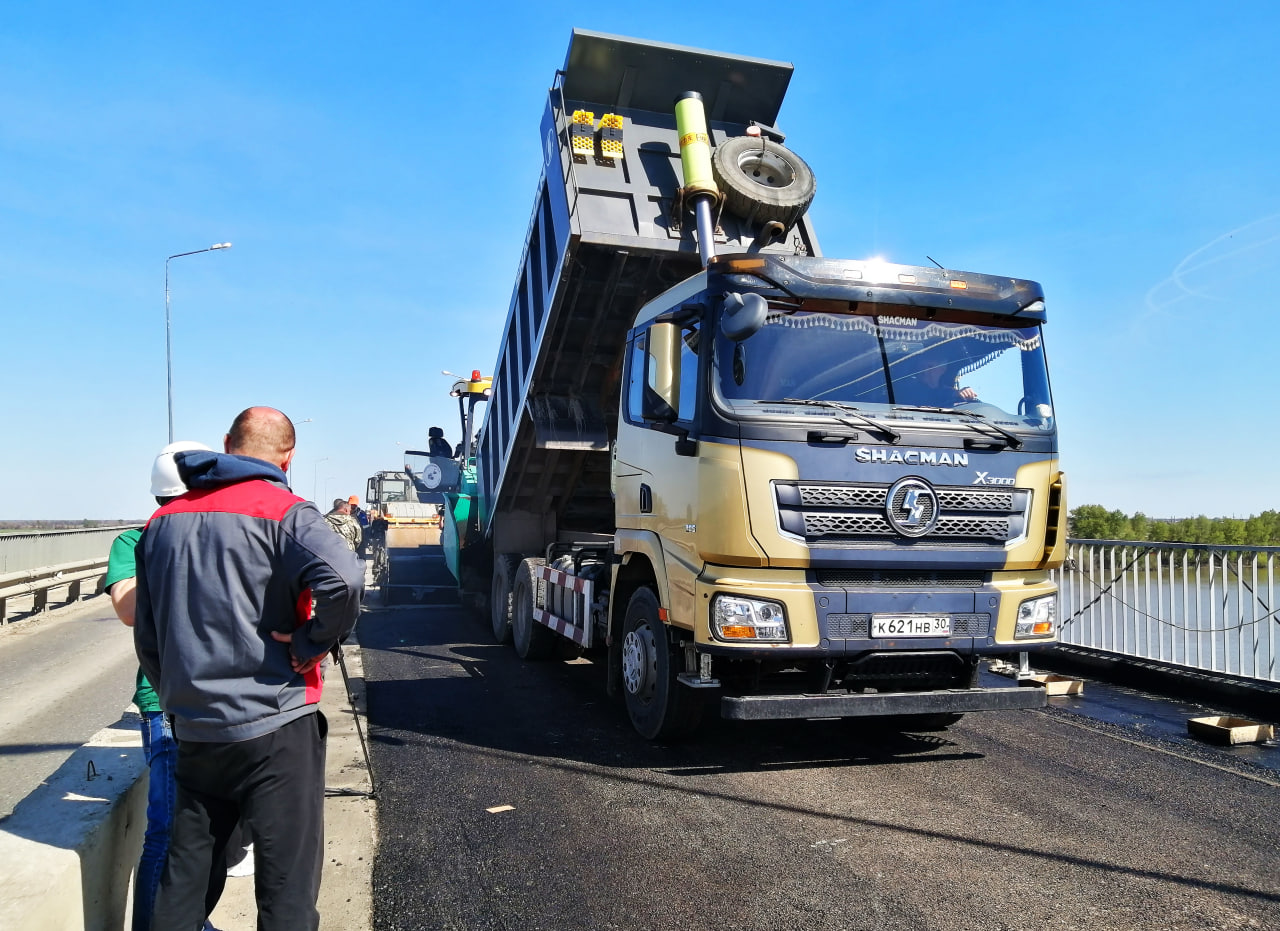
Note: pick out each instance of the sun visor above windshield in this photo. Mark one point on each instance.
(881, 282)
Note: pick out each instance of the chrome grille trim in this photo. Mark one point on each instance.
(975, 499)
(853, 514)
(819, 524)
(995, 528)
(964, 497)
(866, 496)
(825, 524)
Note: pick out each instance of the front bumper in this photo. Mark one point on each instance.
(874, 704)
(833, 620)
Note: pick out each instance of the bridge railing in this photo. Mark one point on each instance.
(1208, 608)
(36, 563)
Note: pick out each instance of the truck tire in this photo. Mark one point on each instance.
(504, 582)
(762, 181)
(531, 640)
(660, 707)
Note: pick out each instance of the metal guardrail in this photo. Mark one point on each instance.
(1208, 608)
(39, 562)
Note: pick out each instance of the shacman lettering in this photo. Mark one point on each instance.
(912, 456)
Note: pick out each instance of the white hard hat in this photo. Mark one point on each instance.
(165, 480)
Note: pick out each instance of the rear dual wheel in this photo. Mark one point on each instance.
(500, 595)
(532, 640)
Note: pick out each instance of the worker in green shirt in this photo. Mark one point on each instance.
(158, 745)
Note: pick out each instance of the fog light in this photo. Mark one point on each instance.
(1036, 617)
(735, 618)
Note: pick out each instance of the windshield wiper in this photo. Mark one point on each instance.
(893, 435)
(1012, 438)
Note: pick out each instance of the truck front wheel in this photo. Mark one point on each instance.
(659, 706)
(531, 640)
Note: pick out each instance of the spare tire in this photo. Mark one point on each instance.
(762, 181)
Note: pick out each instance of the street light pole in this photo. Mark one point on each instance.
(315, 480)
(168, 339)
(288, 475)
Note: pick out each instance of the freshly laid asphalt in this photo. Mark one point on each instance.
(516, 796)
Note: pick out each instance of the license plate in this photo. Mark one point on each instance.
(910, 625)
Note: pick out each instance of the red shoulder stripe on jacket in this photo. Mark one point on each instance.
(256, 498)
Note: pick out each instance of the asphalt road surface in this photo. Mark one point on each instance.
(516, 796)
(64, 676)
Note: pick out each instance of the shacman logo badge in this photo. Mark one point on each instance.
(912, 507)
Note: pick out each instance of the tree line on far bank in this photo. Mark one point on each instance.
(18, 526)
(1094, 522)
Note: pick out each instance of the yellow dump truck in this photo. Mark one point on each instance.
(743, 476)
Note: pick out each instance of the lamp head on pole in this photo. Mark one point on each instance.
(168, 342)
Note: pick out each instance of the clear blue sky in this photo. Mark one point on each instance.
(374, 166)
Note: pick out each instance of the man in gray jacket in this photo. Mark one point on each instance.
(225, 629)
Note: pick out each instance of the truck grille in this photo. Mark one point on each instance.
(855, 514)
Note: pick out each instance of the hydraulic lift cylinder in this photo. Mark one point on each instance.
(700, 190)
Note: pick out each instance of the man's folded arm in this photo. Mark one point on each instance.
(335, 575)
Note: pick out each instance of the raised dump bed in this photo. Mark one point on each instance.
(606, 235)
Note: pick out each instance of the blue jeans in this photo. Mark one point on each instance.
(161, 752)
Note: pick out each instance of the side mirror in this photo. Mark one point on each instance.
(743, 315)
(662, 373)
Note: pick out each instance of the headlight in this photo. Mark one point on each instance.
(1037, 617)
(734, 618)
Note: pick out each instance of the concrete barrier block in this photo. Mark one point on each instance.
(70, 847)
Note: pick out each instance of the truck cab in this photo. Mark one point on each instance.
(861, 480)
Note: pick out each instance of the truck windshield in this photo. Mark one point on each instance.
(393, 490)
(889, 367)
